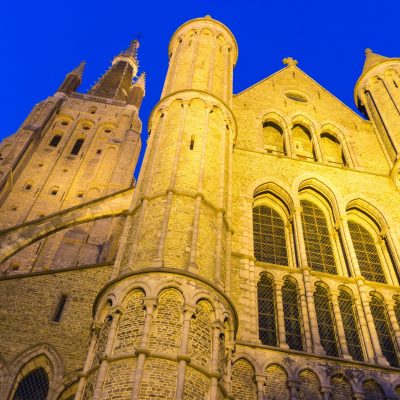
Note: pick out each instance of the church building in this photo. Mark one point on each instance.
(257, 257)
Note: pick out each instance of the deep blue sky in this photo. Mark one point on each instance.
(43, 40)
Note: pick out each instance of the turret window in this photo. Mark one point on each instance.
(269, 236)
(317, 239)
(351, 331)
(55, 140)
(77, 147)
(266, 311)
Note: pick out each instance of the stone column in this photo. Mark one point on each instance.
(339, 325)
(218, 328)
(142, 352)
(89, 359)
(260, 381)
(326, 392)
(317, 348)
(116, 314)
(379, 358)
(280, 317)
(183, 358)
(306, 321)
(293, 386)
(393, 320)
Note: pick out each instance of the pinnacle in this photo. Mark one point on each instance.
(79, 69)
(289, 61)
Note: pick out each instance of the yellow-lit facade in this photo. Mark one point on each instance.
(256, 258)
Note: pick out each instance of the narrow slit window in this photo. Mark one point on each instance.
(192, 143)
(55, 140)
(266, 311)
(77, 147)
(60, 308)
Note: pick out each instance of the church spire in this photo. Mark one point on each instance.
(115, 83)
(73, 79)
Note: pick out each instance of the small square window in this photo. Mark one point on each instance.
(80, 194)
(98, 151)
(54, 192)
(28, 186)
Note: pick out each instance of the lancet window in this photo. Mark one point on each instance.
(269, 236)
(317, 239)
(302, 142)
(331, 149)
(383, 330)
(266, 310)
(291, 311)
(273, 138)
(325, 319)
(35, 385)
(367, 253)
(351, 331)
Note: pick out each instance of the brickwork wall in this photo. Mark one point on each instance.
(129, 332)
(309, 387)
(119, 380)
(372, 391)
(196, 385)
(159, 378)
(166, 327)
(275, 384)
(35, 299)
(243, 386)
(341, 388)
(200, 340)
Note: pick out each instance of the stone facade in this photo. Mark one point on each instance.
(257, 257)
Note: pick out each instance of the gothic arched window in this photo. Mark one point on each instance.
(331, 149)
(269, 236)
(302, 142)
(383, 330)
(350, 326)
(55, 140)
(317, 239)
(266, 310)
(35, 386)
(367, 253)
(273, 138)
(291, 312)
(325, 319)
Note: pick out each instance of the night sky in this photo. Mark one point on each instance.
(41, 41)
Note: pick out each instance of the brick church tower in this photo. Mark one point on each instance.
(257, 257)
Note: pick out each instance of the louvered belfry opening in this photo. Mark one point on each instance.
(317, 239)
(269, 236)
(266, 310)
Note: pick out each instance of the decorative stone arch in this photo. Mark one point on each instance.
(281, 363)
(204, 296)
(367, 207)
(42, 355)
(64, 116)
(250, 359)
(81, 122)
(376, 381)
(169, 284)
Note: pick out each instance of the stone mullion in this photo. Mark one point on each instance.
(300, 237)
(280, 317)
(253, 311)
(183, 357)
(383, 252)
(229, 215)
(317, 348)
(194, 59)
(170, 191)
(326, 392)
(290, 244)
(228, 374)
(221, 209)
(89, 360)
(260, 381)
(394, 249)
(378, 356)
(215, 374)
(97, 393)
(198, 197)
(349, 247)
(393, 321)
(317, 148)
(334, 235)
(293, 386)
(339, 325)
(306, 320)
(142, 352)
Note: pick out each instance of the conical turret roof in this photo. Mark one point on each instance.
(372, 59)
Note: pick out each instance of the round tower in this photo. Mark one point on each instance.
(165, 325)
(377, 95)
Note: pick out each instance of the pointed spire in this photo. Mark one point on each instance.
(137, 91)
(141, 81)
(73, 79)
(117, 80)
(372, 59)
